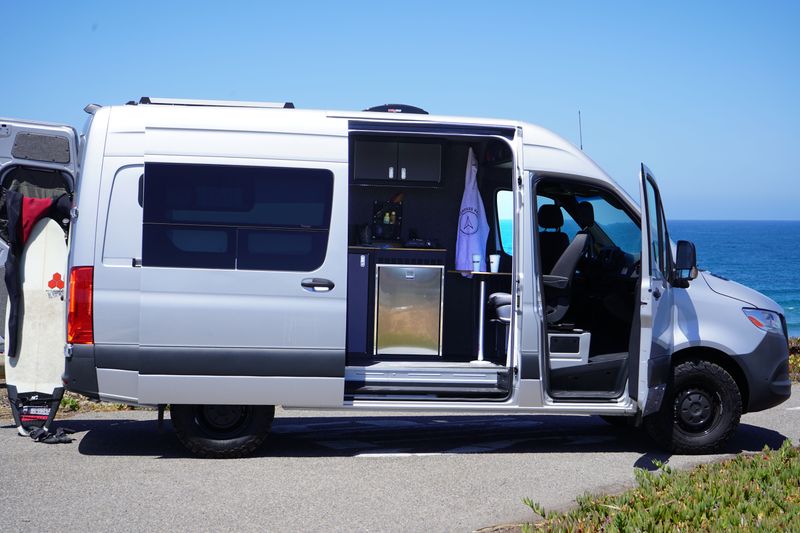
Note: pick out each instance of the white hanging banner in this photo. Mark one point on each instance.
(473, 228)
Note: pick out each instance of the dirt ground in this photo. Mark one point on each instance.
(5, 408)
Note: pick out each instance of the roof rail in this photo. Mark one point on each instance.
(211, 103)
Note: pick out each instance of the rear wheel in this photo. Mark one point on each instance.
(700, 411)
(222, 431)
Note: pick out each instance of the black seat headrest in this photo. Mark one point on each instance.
(550, 217)
(585, 215)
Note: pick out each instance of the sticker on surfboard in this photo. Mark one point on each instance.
(56, 287)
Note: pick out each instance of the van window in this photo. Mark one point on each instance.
(621, 230)
(570, 227)
(504, 201)
(232, 217)
(655, 229)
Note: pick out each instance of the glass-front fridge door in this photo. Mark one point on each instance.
(408, 310)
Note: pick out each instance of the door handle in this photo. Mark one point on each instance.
(317, 284)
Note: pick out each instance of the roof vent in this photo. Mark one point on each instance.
(397, 108)
(214, 103)
(92, 108)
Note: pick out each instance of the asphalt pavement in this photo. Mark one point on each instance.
(335, 471)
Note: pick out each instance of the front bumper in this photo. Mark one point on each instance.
(767, 371)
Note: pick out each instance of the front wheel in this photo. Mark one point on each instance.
(222, 431)
(700, 411)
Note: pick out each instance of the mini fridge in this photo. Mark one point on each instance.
(408, 309)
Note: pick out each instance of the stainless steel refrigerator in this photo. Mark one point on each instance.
(408, 309)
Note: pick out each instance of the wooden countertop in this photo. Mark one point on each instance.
(478, 273)
(395, 249)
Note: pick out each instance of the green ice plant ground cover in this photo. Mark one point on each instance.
(749, 492)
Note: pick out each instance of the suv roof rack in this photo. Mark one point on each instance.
(213, 103)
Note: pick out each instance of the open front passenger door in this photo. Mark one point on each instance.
(656, 340)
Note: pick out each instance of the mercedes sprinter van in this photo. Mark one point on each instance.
(229, 257)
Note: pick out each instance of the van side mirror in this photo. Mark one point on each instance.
(685, 264)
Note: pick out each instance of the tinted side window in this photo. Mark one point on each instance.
(232, 217)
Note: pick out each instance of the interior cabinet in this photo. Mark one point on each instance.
(412, 162)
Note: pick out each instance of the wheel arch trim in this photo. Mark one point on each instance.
(712, 354)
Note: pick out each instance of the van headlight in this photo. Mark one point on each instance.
(764, 320)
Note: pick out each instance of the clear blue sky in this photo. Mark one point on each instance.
(704, 93)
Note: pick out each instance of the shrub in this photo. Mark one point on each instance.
(69, 403)
(758, 491)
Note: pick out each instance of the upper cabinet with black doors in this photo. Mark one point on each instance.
(397, 161)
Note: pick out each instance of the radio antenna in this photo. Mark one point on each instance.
(580, 128)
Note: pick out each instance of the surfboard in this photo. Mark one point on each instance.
(33, 377)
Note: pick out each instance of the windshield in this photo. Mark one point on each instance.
(614, 225)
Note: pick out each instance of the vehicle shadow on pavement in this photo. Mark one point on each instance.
(748, 438)
(350, 436)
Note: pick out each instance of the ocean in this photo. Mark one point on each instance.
(764, 255)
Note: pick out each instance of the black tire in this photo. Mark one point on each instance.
(700, 411)
(619, 421)
(222, 431)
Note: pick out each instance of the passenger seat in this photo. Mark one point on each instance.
(552, 243)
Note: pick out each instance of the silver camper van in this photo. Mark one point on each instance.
(228, 257)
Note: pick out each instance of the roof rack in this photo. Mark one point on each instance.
(213, 103)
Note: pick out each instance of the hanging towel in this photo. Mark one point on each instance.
(473, 228)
